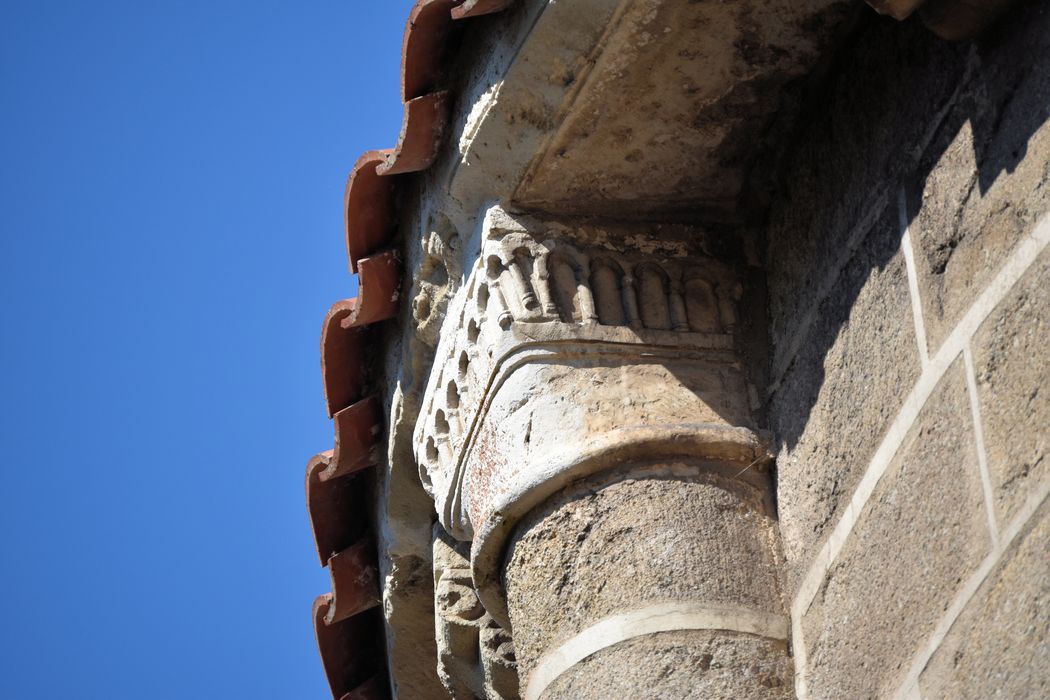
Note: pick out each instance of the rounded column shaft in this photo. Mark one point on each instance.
(660, 581)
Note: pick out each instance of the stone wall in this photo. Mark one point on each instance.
(909, 272)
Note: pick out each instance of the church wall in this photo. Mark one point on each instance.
(908, 272)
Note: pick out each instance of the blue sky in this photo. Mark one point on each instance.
(170, 210)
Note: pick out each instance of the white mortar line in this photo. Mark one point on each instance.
(1016, 265)
(913, 276)
(912, 693)
(1035, 499)
(798, 650)
(665, 617)
(982, 454)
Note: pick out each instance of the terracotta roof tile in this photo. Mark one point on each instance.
(367, 207)
(351, 650)
(355, 582)
(336, 508)
(420, 139)
(348, 622)
(342, 341)
(427, 32)
(358, 428)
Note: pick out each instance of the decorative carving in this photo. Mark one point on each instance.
(475, 655)
(574, 290)
(436, 279)
(565, 354)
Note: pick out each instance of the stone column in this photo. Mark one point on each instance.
(602, 459)
(658, 576)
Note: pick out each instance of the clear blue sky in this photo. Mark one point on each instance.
(171, 188)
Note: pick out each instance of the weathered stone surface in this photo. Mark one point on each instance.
(660, 112)
(677, 665)
(870, 121)
(475, 656)
(566, 351)
(570, 336)
(905, 557)
(406, 582)
(1000, 645)
(987, 173)
(1012, 364)
(670, 112)
(614, 548)
(842, 392)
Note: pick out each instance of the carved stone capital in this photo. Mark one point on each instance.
(565, 353)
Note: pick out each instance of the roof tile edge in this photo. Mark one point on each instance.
(369, 228)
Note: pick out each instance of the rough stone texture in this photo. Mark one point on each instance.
(616, 548)
(1000, 645)
(844, 348)
(988, 180)
(695, 664)
(475, 656)
(1012, 364)
(565, 339)
(905, 558)
(842, 391)
(672, 113)
(963, 130)
(575, 401)
(865, 129)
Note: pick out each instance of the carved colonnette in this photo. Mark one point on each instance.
(584, 364)
(475, 655)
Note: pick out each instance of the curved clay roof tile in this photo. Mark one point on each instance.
(355, 582)
(357, 437)
(367, 208)
(342, 345)
(337, 509)
(427, 32)
(348, 622)
(421, 131)
(348, 648)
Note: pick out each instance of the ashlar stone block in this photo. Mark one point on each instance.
(842, 392)
(1012, 364)
(1000, 645)
(922, 533)
(986, 177)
